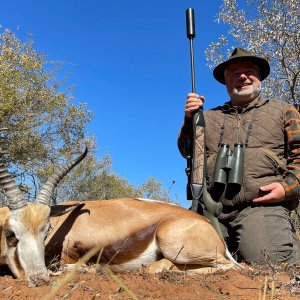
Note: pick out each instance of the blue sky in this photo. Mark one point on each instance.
(129, 60)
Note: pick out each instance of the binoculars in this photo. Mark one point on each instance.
(229, 167)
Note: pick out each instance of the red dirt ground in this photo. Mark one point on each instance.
(100, 283)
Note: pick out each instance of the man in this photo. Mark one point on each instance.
(255, 218)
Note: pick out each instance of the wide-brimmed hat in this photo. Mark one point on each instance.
(240, 54)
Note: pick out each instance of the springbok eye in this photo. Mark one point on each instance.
(9, 233)
(11, 238)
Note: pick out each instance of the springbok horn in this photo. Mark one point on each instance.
(45, 194)
(15, 197)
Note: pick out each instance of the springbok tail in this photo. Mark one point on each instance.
(230, 257)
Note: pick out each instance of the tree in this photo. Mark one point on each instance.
(153, 189)
(41, 127)
(267, 28)
(39, 122)
(93, 179)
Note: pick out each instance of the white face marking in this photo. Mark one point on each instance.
(27, 244)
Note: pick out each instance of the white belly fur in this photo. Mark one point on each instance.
(148, 256)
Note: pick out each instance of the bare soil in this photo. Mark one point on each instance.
(267, 282)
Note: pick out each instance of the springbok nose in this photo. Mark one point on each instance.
(39, 278)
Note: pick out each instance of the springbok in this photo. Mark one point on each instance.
(130, 233)
(134, 232)
(24, 226)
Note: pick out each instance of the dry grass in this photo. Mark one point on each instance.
(71, 274)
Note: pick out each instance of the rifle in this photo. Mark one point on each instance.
(196, 170)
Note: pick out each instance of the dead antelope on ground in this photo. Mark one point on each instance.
(135, 232)
(24, 226)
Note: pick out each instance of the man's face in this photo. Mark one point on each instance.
(243, 82)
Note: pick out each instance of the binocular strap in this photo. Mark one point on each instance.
(247, 132)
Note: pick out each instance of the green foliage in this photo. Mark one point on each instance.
(41, 127)
(39, 122)
(153, 189)
(40, 119)
(94, 180)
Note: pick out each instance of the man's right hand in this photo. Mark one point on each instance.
(192, 104)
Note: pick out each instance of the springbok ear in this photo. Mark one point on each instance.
(60, 209)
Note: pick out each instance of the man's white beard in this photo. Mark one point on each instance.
(246, 94)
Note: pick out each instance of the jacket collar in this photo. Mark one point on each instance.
(257, 102)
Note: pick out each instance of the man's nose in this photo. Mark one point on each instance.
(243, 77)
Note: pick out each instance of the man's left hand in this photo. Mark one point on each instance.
(273, 193)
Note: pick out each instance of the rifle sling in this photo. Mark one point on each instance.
(199, 191)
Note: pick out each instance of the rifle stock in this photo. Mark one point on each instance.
(212, 210)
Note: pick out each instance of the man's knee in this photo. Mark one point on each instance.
(265, 234)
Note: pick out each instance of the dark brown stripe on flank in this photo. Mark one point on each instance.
(128, 248)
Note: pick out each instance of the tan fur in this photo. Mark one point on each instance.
(167, 265)
(132, 232)
(129, 232)
(35, 216)
(4, 215)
